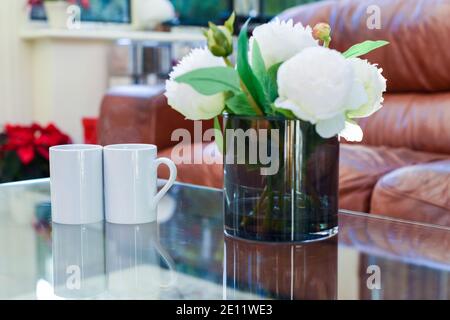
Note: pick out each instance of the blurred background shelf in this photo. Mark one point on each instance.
(71, 69)
(112, 35)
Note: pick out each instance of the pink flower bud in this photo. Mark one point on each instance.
(322, 31)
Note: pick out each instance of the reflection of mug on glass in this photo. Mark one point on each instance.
(133, 255)
(131, 182)
(281, 271)
(78, 260)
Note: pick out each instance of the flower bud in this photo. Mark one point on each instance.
(220, 38)
(322, 31)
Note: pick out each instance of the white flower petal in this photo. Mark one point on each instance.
(374, 85)
(352, 132)
(317, 81)
(296, 110)
(357, 96)
(330, 127)
(184, 98)
(194, 106)
(281, 40)
(198, 58)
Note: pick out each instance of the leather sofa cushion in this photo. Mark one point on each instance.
(417, 58)
(420, 193)
(362, 166)
(140, 114)
(415, 121)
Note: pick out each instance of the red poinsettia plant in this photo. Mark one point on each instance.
(24, 151)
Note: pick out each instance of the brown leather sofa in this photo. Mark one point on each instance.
(402, 167)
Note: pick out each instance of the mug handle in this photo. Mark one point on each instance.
(172, 177)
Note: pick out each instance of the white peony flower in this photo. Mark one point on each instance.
(374, 84)
(281, 40)
(352, 132)
(186, 100)
(318, 85)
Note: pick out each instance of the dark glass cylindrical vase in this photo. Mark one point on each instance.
(280, 180)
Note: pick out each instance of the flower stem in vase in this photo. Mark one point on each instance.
(268, 212)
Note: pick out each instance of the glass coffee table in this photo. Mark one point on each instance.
(186, 256)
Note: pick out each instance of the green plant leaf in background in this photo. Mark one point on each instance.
(240, 105)
(210, 81)
(11, 168)
(364, 48)
(218, 134)
(249, 79)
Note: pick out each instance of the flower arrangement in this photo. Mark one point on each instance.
(24, 151)
(284, 70)
(295, 94)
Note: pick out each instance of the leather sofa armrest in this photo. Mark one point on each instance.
(140, 114)
(418, 193)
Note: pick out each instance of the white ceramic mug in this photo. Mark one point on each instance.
(131, 182)
(76, 180)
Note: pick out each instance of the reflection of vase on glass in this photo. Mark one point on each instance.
(281, 271)
(78, 260)
(133, 255)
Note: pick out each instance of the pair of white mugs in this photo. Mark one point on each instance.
(118, 180)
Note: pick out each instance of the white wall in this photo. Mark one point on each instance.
(70, 78)
(48, 80)
(15, 65)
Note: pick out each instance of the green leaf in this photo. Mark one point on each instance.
(210, 81)
(239, 104)
(258, 64)
(364, 48)
(268, 78)
(249, 79)
(272, 85)
(218, 134)
(286, 113)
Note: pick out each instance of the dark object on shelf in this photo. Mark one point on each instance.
(199, 12)
(103, 11)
